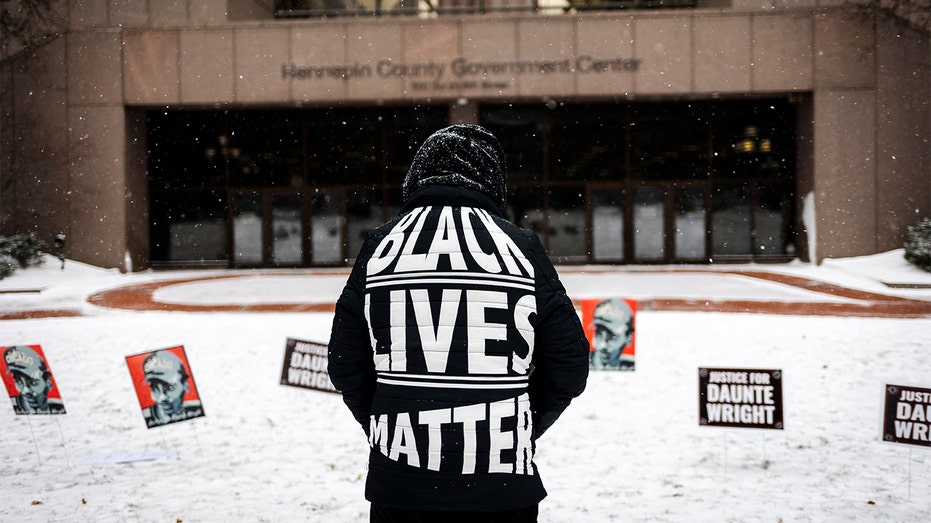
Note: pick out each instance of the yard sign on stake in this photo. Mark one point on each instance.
(743, 398)
(907, 419)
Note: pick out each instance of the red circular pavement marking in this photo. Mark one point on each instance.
(871, 304)
(42, 313)
(140, 297)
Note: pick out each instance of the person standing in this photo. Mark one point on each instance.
(454, 344)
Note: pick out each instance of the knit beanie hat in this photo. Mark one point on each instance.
(467, 156)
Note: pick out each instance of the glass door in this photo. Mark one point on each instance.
(287, 230)
(326, 231)
(363, 212)
(607, 227)
(661, 223)
(565, 223)
(773, 231)
(649, 226)
(731, 227)
(689, 221)
(247, 229)
(267, 229)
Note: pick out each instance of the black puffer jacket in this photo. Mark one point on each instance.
(455, 347)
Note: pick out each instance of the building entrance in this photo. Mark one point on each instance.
(268, 229)
(632, 183)
(655, 223)
(275, 228)
(651, 182)
(259, 188)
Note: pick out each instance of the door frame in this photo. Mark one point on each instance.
(628, 188)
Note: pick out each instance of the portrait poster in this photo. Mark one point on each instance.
(907, 415)
(29, 381)
(305, 366)
(610, 326)
(164, 385)
(744, 398)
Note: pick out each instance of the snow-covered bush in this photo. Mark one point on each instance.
(918, 244)
(19, 251)
(7, 265)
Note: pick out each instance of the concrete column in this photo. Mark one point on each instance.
(97, 141)
(844, 159)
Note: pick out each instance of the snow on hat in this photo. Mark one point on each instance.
(24, 360)
(164, 366)
(462, 155)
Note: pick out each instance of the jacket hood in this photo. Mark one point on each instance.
(446, 196)
(466, 156)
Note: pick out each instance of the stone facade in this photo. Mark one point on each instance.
(73, 135)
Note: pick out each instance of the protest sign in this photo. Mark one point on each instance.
(746, 398)
(609, 326)
(29, 381)
(305, 366)
(165, 386)
(907, 415)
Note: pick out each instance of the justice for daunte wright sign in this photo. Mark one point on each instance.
(305, 366)
(907, 415)
(747, 398)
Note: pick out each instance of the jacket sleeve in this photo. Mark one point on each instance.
(560, 356)
(350, 362)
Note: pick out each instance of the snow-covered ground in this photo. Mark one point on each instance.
(629, 449)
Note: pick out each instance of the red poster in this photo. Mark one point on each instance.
(29, 381)
(609, 325)
(165, 386)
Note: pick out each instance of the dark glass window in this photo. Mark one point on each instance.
(521, 133)
(588, 143)
(303, 186)
(753, 140)
(405, 130)
(264, 149)
(641, 182)
(707, 179)
(189, 227)
(525, 208)
(669, 141)
(343, 148)
(184, 149)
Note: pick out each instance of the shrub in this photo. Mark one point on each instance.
(7, 265)
(19, 251)
(918, 244)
